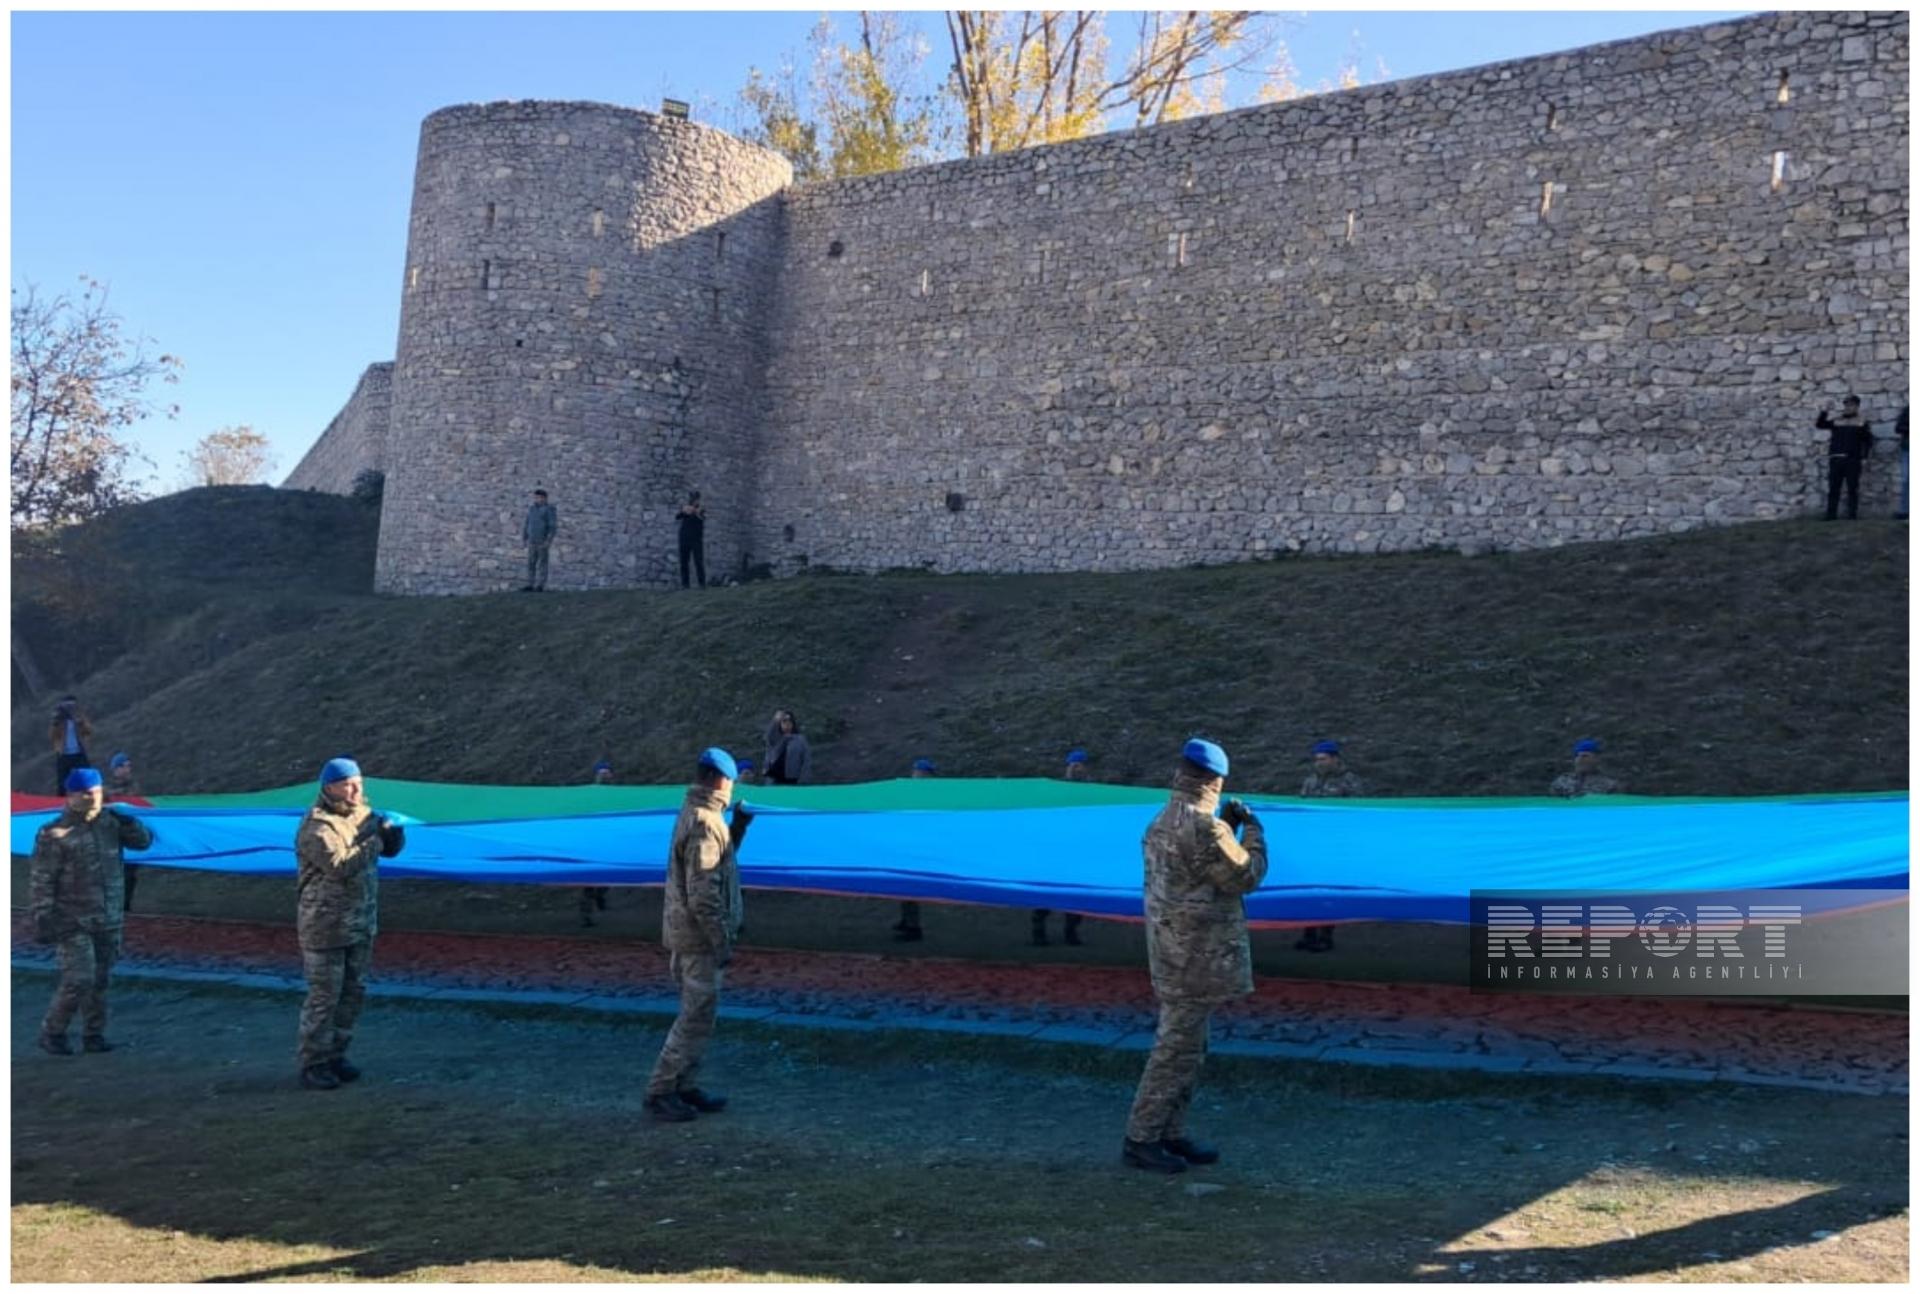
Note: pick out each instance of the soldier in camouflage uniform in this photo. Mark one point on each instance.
(699, 922)
(907, 929)
(75, 891)
(339, 847)
(1196, 875)
(1586, 777)
(594, 897)
(1330, 778)
(1070, 922)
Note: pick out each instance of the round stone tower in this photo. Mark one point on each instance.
(582, 311)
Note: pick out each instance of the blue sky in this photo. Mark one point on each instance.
(242, 180)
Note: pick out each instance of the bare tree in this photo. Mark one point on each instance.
(229, 456)
(78, 382)
(1036, 77)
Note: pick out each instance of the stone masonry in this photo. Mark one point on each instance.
(1588, 296)
(354, 441)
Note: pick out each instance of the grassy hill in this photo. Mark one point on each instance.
(229, 638)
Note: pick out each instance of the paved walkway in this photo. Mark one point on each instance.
(1422, 1025)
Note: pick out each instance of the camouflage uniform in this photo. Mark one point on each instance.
(76, 891)
(339, 848)
(1571, 786)
(698, 924)
(1196, 873)
(1341, 784)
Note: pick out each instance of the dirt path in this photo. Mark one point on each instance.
(902, 674)
(510, 1145)
(1430, 1026)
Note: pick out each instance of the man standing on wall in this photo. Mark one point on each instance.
(537, 532)
(1849, 445)
(693, 538)
(1197, 952)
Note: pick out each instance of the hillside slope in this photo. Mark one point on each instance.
(228, 639)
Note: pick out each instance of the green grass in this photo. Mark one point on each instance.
(510, 1145)
(229, 639)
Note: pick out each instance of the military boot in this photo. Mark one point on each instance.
(669, 1108)
(56, 1044)
(1194, 1152)
(701, 1101)
(343, 1069)
(1040, 939)
(320, 1078)
(95, 1042)
(1151, 1155)
(1070, 928)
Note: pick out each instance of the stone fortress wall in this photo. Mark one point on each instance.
(354, 441)
(1585, 296)
(583, 309)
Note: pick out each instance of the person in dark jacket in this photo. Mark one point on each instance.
(537, 532)
(693, 538)
(789, 761)
(1849, 445)
(69, 733)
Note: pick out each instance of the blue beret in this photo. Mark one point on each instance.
(82, 779)
(339, 770)
(119, 758)
(924, 766)
(603, 764)
(746, 765)
(1206, 755)
(720, 762)
(1326, 748)
(1587, 746)
(1076, 756)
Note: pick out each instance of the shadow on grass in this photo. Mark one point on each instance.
(485, 1140)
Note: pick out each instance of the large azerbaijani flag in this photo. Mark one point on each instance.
(1073, 846)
